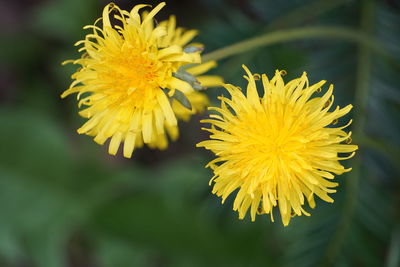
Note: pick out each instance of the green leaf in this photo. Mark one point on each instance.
(181, 98)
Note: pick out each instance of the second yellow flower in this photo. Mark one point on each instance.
(136, 79)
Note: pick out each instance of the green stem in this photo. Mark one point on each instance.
(384, 147)
(296, 34)
(393, 258)
(361, 103)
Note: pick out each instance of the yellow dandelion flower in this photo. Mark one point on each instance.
(137, 78)
(278, 149)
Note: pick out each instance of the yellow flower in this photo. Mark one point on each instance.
(277, 150)
(136, 79)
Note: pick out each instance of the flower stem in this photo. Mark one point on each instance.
(361, 104)
(296, 34)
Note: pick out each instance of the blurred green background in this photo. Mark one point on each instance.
(65, 202)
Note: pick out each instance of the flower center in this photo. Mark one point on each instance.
(273, 136)
(131, 75)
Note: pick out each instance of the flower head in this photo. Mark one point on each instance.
(279, 149)
(137, 78)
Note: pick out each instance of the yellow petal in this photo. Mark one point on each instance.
(114, 143)
(210, 80)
